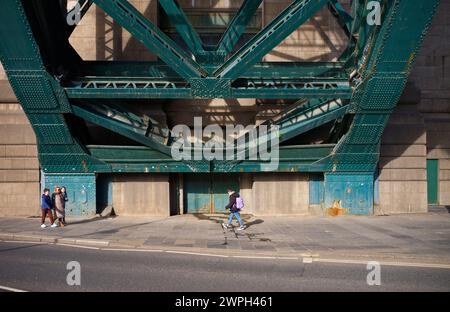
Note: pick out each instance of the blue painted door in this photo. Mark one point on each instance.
(353, 192)
(433, 181)
(207, 193)
(81, 190)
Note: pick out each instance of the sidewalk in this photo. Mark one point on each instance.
(415, 238)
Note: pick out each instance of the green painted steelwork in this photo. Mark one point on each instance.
(279, 70)
(37, 56)
(238, 25)
(345, 20)
(21, 58)
(433, 181)
(273, 34)
(264, 88)
(159, 43)
(183, 26)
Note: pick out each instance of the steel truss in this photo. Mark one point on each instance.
(50, 87)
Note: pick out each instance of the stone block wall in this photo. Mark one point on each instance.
(141, 195)
(420, 127)
(19, 166)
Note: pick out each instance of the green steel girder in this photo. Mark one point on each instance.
(387, 68)
(144, 159)
(135, 133)
(295, 121)
(311, 119)
(280, 70)
(152, 37)
(41, 97)
(345, 20)
(382, 55)
(183, 26)
(238, 25)
(273, 34)
(131, 88)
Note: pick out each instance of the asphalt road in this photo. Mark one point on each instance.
(34, 267)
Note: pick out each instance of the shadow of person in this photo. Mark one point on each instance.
(254, 222)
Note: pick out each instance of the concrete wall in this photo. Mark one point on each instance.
(420, 128)
(280, 194)
(142, 194)
(432, 76)
(403, 177)
(19, 166)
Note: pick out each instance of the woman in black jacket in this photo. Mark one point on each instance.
(234, 211)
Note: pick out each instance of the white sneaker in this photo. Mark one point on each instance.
(43, 226)
(242, 228)
(54, 225)
(225, 226)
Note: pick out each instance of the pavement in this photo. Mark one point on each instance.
(422, 239)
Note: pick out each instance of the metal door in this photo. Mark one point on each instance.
(81, 191)
(207, 193)
(219, 185)
(433, 181)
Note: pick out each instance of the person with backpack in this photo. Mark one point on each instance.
(236, 203)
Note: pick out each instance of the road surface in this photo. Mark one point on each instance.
(41, 267)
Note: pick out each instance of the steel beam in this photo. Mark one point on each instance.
(273, 34)
(385, 67)
(294, 70)
(344, 19)
(153, 38)
(183, 25)
(133, 88)
(41, 97)
(238, 25)
(122, 128)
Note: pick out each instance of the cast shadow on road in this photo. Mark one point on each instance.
(95, 219)
(21, 247)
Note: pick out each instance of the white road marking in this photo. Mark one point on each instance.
(195, 254)
(25, 242)
(77, 246)
(304, 259)
(129, 249)
(387, 263)
(11, 289)
(255, 257)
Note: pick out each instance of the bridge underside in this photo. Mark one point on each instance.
(351, 98)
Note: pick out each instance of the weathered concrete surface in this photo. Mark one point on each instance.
(280, 194)
(141, 195)
(19, 166)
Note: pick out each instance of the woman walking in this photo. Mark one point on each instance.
(65, 200)
(59, 207)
